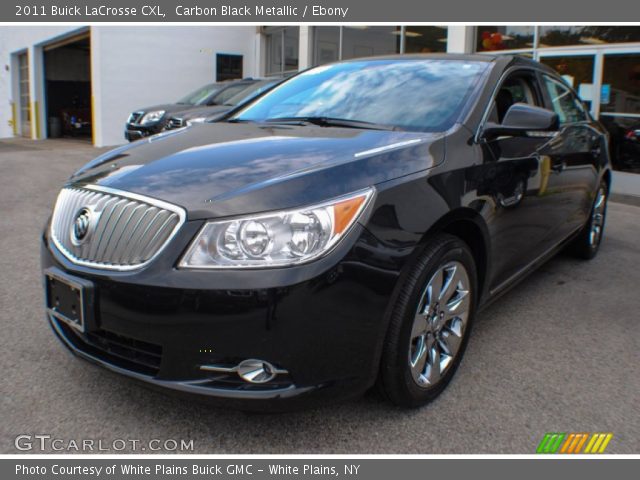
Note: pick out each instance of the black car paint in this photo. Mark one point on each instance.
(326, 321)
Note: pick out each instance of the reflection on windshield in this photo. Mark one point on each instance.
(416, 94)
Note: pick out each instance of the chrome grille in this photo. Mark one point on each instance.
(125, 230)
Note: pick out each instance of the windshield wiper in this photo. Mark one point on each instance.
(331, 122)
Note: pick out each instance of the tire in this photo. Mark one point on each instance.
(408, 374)
(587, 243)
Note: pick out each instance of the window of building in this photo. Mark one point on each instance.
(326, 45)
(620, 109)
(490, 38)
(228, 67)
(504, 37)
(620, 91)
(331, 44)
(281, 49)
(565, 35)
(362, 41)
(419, 39)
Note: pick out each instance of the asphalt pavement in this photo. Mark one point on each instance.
(559, 353)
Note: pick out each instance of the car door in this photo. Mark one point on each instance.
(576, 151)
(513, 177)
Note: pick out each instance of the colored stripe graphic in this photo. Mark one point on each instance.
(598, 443)
(572, 443)
(580, 443)
(573, 440)
(551, 442)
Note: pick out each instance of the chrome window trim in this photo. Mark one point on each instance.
(182, 217)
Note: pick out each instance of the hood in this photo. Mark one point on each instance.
(222, 169)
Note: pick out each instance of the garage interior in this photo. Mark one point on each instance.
(67, 74)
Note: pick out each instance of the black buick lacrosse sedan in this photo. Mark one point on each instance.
(340, 231)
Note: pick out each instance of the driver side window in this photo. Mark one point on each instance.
(517, 88)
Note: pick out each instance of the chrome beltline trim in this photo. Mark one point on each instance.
(182, 217)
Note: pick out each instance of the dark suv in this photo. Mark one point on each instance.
(341, 230)
(151, 120)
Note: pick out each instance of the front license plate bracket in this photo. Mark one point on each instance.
(70, 299)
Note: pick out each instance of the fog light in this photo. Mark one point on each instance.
(251, 370)
(256, 371)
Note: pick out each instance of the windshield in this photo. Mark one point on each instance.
(200, 95)
(414, 94)
(250, 92)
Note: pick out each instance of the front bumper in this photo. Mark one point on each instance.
(323, 323)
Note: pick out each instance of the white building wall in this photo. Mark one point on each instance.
(140, 66)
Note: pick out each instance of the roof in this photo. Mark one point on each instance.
(429, 56)
(502, 59)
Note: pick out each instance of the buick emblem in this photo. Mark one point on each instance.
(81, 226)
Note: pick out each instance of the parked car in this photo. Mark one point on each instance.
(211, 113)
(151, 120)
(341, 231)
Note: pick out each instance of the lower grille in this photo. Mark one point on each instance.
(131, 354)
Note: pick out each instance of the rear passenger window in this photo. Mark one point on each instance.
(564, 102)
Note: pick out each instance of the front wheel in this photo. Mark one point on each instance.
(430, 324)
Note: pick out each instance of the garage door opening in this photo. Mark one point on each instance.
(67, 74)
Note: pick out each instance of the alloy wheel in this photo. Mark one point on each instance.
(439, 324)
(597, 218)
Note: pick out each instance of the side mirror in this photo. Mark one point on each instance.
(522, 118)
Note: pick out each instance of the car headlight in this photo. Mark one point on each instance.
(277, 239)
(151, 117)
(196, 120)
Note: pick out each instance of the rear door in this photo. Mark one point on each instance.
(575, 151)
